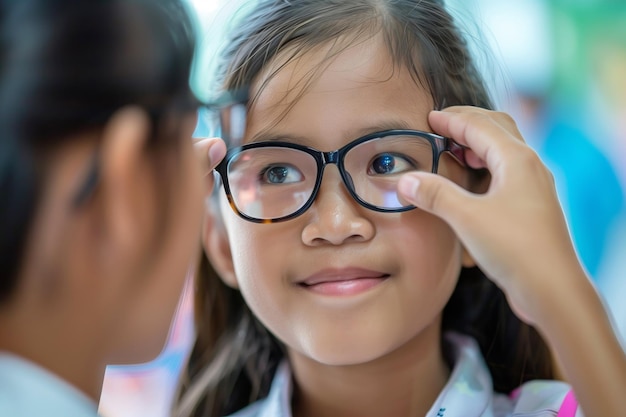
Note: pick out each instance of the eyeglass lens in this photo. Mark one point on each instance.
(272, 182)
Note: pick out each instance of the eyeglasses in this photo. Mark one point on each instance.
(225, 117)
(269, 182)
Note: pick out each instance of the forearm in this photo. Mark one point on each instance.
(577, 327)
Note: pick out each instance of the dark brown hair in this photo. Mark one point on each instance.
(234, 357)
(67, 67)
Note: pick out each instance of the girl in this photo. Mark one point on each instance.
(328, 293)
(101, 193)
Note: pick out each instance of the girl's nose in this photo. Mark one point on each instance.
(335, 217)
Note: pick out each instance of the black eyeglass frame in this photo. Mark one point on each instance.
(439, 144)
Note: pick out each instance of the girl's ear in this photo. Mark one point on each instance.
(217, 247)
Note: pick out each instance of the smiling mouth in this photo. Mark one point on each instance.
(343, 284)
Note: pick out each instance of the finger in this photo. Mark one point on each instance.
(210, 152)
(487, 139)
(473, 160)
(437, 195)
(501, 118)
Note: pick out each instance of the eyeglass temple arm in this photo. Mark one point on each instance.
(458, 151)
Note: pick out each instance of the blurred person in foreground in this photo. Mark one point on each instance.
(102, 193)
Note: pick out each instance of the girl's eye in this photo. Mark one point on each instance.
(281, 174)
(388, 163)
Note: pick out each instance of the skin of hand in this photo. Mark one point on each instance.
(518, 236)
(209, 151)
(516, 231)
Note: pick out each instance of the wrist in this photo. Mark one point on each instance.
(547, 293)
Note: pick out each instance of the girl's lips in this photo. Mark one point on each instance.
(348, 281)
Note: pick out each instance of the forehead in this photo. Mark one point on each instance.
(339, 85)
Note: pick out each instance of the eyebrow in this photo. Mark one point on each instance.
(389, 124)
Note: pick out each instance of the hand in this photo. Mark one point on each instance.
(210, 151)
(516, 231)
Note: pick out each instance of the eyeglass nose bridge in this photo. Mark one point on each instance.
(331, 157)
(334, 158)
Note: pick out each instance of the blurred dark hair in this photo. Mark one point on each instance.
(234, 357)
(67, 66)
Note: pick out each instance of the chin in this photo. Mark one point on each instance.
(346, 360)
(347, 351)
(139, 351)
(137, 357)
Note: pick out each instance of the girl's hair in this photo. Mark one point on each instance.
(234, 357)
(67, 66)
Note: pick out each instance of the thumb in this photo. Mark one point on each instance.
(435, 194)
(209, 151)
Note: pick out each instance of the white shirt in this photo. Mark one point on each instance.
(27, 390)
(468, 392)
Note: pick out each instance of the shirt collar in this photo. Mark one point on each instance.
(468, 391)
(28, 389)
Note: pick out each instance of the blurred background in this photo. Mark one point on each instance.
(559, 67)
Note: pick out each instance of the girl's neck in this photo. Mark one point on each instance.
(405, 382)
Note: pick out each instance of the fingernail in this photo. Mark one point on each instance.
(216, 153)
(408, 186)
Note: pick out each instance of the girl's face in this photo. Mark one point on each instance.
(342, 284)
